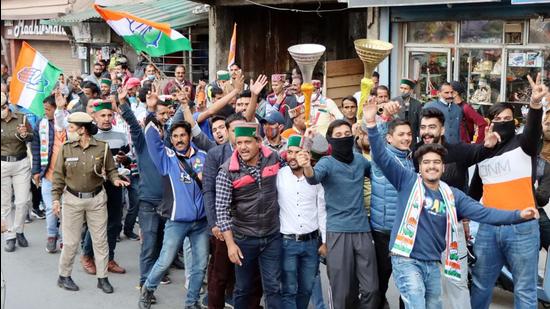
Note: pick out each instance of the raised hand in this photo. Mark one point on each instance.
(238, 83)
(491, 138)
(122, 93)
(152, 97)
(182, 97)
(257, 86)
(539, 91)
(60, 100)
(304, 159)
(369, 112)
(391, 108)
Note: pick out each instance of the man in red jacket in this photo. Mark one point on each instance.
(472, 122)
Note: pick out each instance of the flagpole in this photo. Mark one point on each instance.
(153, 64)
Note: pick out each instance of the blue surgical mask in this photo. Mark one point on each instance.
(151, 77)
(132, 100)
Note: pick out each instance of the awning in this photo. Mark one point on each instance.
(386, 3)
(28, 10)
(176, 13)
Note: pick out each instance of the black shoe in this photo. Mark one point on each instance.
(38, 214)
(67, 283)
(104, 285)
(145, 299)
(132, 236)
(165, 280)
(21, 240)
(178, 264)
(118, 239)
(10, 245)
(194, 306)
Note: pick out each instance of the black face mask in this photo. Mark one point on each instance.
(342, 148)
(506, 130)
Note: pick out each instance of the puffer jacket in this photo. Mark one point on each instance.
(383, 194)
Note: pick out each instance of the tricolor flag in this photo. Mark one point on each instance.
(232, 48)
(155, 39)
(34, 79)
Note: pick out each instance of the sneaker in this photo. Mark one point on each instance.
(51, 245)
(145, 298)
(132, 236)
(165, 280)
(204, 302)
(38, 214)
(21, 240)
(10, 245)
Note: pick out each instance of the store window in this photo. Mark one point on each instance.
(430, 68)
(439, 32)
(539, 31)
(481, 70)
(481, 31)
(523, 62)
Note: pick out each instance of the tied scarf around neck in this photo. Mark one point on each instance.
(342, 148)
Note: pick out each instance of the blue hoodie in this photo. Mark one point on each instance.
(187, 199)
(430, 235)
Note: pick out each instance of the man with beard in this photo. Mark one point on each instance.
(507, 177)
(246, 185)
(303, 224)
(183, 164)
(427, 211)
(118, 143)
(298, 117)
(179, 82)
(453, 113)
(459, 158)
(542, 194)
(96, 74)
(351, 256)
(349, 109)
(278, 100)
(273, 124)
(410, 107)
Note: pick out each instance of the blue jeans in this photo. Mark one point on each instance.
(515, 245)
(265, 251)
(51, 219)
(419, 282)
(300, 264)
(174, 233)
(317, 293)
(152, 233)
(133, 205)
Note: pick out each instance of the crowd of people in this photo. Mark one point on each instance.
(237, 184)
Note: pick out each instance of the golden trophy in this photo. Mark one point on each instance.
(371, 52)
(306, 56)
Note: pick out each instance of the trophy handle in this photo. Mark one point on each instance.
(307, 90)
(366, 87)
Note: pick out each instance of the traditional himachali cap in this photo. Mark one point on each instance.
(106, 81)
(294, 141)
(278, 77)
(223, 75)
(79, 118)
(409, 82)
(249, 129)
(133, 82)
(99, 105)
(297, 111)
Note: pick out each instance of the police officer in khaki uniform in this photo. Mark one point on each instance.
(16, 174)
(80, 170)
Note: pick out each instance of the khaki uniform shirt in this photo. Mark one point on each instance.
(81, 168)
(12, 143)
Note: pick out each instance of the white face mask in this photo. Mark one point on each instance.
(4, 113)
(73, 136)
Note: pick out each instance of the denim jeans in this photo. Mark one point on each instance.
(419, 282)
(152, 233)
(300, 264)
(133, 205)
(317, 293)
(265, 251)
(51, 219)
(114, 221)
(515, 245)
(174, 233)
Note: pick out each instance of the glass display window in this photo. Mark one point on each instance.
(481, 71)
(437, 32)
(539, 31)
(481, 31)
(520, 63)
(430, 68)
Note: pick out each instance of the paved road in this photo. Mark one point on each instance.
(31, 276)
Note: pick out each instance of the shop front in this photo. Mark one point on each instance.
(489, 47)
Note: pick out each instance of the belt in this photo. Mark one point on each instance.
(84, 194)
(13, 158)
(302, 237)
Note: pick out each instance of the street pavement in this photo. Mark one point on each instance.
(31, 276)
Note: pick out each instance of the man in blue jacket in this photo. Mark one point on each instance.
(384, 199)
(428, 212)
(184, 208)
(453, 113)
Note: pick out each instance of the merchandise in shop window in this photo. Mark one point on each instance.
(481, 69)
(523, 62)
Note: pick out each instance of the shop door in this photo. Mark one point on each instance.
(430, 67)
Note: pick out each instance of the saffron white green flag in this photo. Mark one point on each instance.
(154, 39)
(33, 80)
